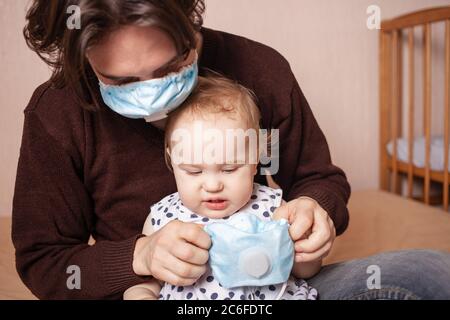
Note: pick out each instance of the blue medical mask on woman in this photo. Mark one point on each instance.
(249, 251)
(151, 99)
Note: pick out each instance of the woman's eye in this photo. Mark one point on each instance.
(126, 81)
(121, 83)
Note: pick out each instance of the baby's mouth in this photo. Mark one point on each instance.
(216, 204)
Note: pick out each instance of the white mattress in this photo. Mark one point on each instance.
(436, 156)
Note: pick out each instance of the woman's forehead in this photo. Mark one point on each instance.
(132, 51)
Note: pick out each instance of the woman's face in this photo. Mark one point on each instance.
(134, 53)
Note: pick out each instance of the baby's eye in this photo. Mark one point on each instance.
(229, 170)
(193, 173)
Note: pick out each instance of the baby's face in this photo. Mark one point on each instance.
(218, 186)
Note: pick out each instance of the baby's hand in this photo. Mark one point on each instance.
(143, 291)
(312, 230)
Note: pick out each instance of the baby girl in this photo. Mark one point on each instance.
(212, 190)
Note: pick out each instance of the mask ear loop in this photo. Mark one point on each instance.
(282, 291)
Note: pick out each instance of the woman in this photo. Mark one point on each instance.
(91, 161)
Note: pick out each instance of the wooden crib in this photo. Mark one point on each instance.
(398, 103)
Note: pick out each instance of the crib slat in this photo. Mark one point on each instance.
(399, 94)
(417, 18)
(385, 109)
(427, 108)
(447, 109)
(394, 110)
(411, 112)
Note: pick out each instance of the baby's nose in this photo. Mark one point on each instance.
(213, 185)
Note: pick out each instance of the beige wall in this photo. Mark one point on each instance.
(333, 54)
(21, 72)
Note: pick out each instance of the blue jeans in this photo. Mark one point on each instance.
(409, 274)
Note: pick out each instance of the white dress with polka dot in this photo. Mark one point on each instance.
(263, 202)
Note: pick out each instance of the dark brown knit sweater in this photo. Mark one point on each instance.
(83, 173)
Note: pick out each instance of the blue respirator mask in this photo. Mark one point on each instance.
(153, 99)
(248, 251)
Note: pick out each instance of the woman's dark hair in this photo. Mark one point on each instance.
(64, 49)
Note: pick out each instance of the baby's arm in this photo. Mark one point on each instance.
(144, 291)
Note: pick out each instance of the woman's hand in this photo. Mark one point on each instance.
(312, 230)
(177, 253)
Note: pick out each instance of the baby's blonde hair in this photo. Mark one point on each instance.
(215, 95)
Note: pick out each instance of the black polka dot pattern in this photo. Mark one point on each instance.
(262, 203)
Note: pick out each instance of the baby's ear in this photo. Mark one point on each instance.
(255, 169)
(168, 159)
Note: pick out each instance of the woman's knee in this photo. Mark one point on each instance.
(424, 273)
(408, 274)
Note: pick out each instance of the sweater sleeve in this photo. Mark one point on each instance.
(53, 216)
(305, 162)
